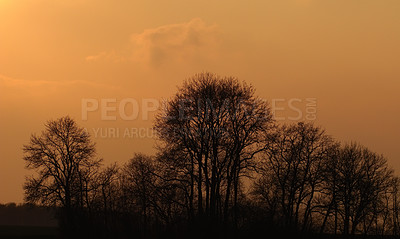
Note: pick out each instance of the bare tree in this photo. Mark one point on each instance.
(175, 185)
(138, 180)
(357, 184)
(61, 155)
(291, 172)
(107, 192)
(395, 206)
(216, 124)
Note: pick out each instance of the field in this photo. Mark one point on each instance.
(14, 232)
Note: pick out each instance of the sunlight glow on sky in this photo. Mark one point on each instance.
(53, 54)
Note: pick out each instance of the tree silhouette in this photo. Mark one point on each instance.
(291, 170)
(216, 123)
(358, 179)
(138, 183)
(62, 156)
(215, 139)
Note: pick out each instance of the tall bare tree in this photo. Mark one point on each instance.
(361, 180)
(291, 172)
(138, 183)
(61, 155)
(216, 123)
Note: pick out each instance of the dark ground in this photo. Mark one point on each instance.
(14, 232)
(34, 232)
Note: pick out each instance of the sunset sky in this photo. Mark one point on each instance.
(56, 54)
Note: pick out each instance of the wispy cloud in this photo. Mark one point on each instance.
(24, 88)
(13, 82)
(189, 41)
(107, 55)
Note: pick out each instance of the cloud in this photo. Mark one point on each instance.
(189, 41)
(12, 82)
(12, 87)
(111, 56)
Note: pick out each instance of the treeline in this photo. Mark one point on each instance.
(223, 167)
(12, 214)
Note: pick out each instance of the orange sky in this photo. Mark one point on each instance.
(54, 53)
